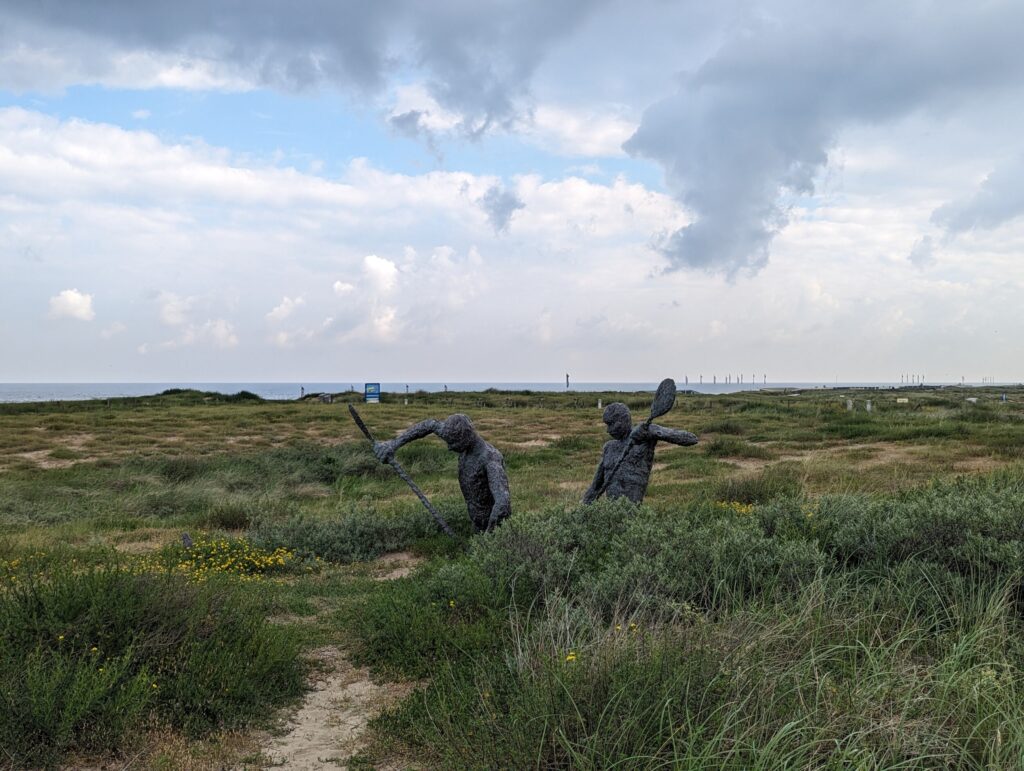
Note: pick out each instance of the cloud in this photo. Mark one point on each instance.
(998, 200)
(217, 333)
(499, 204)
(923, 253)
(113, 330)
(748, 131)
(72, 304)
(174, 310)
(141, 114)
(476, 60)
(576, 132)
(380, 272)
(342, 288)
(285, 309)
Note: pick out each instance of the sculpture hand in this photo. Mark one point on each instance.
(385, 451)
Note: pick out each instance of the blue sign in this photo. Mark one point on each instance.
(371, 393)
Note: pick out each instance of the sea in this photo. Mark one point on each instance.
(41, 392)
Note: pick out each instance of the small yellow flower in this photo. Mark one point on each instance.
(618, 627)
(451, 603)
(570, 657)
(155, 685)
(94, 649)
(60, 638)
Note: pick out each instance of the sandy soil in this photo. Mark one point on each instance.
(329, 726)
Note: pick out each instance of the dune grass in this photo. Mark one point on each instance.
(808, 588)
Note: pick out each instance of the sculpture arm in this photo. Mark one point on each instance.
(497, 481)
(673, 435)
(385, 451)
(591, 494)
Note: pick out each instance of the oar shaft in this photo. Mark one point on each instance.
(405, 477)
(423, 499)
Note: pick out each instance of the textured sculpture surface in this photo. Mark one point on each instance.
(631, 477)
(482, 476)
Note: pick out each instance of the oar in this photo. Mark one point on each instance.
(405, 477)
(664, 398)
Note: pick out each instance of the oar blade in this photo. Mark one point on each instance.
(664, 398)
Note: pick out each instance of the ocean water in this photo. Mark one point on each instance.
(38, 392)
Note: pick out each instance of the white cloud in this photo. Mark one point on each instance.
(428, 281)
(141, 114)
(174, 309)
(113, 330)
(381, 273)
(217, 333)
(72, 304)
(579, 132)
(284, 310)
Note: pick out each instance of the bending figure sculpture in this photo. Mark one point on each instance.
(632, 451)
(482, 476)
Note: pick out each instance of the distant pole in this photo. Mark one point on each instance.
(702, 380)
(766, 380)
(566, 381)
(714, 379)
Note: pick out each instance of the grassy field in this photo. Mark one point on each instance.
(806, 588)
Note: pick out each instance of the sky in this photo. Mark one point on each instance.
(489, 190)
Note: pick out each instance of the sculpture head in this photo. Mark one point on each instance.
(618, 420)
(458, 433)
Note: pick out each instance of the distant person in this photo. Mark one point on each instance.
(482, 476)
(631, 477)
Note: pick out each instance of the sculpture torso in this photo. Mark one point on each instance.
(630, 481)
(474, 481)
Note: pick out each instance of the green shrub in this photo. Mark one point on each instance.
(447, 613)
(724, 426)
(733, 447)
(971, 525)
(90, 653)
(777, 481)
(358, 534)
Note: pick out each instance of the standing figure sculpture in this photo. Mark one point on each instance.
(482, 476)
(635, 448)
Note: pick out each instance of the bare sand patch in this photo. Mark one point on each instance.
(42, 459)
(329, 726)
(77, 441)
(979, 465)
(143, 541)
(395, 565)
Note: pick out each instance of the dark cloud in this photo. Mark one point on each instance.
(412, 124)
(499, 204)
(476, 56)
(999, 199)
(750, 129)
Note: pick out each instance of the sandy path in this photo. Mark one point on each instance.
(329, 726)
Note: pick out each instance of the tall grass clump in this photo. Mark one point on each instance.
(94, 654)
(849, 631)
